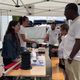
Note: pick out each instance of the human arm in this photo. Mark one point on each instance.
(46, 38)
(75, 50)
(76, 46)
(26, 39)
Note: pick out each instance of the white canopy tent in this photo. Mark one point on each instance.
(34, 7)
(30, 8)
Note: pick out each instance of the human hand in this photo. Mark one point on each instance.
(16, 60)
(70, 60)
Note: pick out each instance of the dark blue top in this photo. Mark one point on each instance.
(11, 47)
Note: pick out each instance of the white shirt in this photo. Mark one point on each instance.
(73, 33)
(53, 36)
(61, 47)
(22, 31)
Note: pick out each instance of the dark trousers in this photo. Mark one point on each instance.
(52, 53)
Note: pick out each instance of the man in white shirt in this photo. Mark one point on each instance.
(72, 43)
(24, 22)
(52, 37)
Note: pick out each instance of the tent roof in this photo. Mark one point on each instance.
(34, 7)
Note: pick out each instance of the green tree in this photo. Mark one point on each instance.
(16, 18)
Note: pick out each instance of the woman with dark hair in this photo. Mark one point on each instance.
(11, 44)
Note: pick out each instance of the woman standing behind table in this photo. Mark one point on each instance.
(24, 23)
(11, 44)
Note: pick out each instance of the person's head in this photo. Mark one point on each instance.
(71, 11)
(24, 21)
(13, 27)
(64, 29)
(53, 25)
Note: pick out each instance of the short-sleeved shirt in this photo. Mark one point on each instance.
(73, 34)
(61, 47)
(53, 36)
(22, 31)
